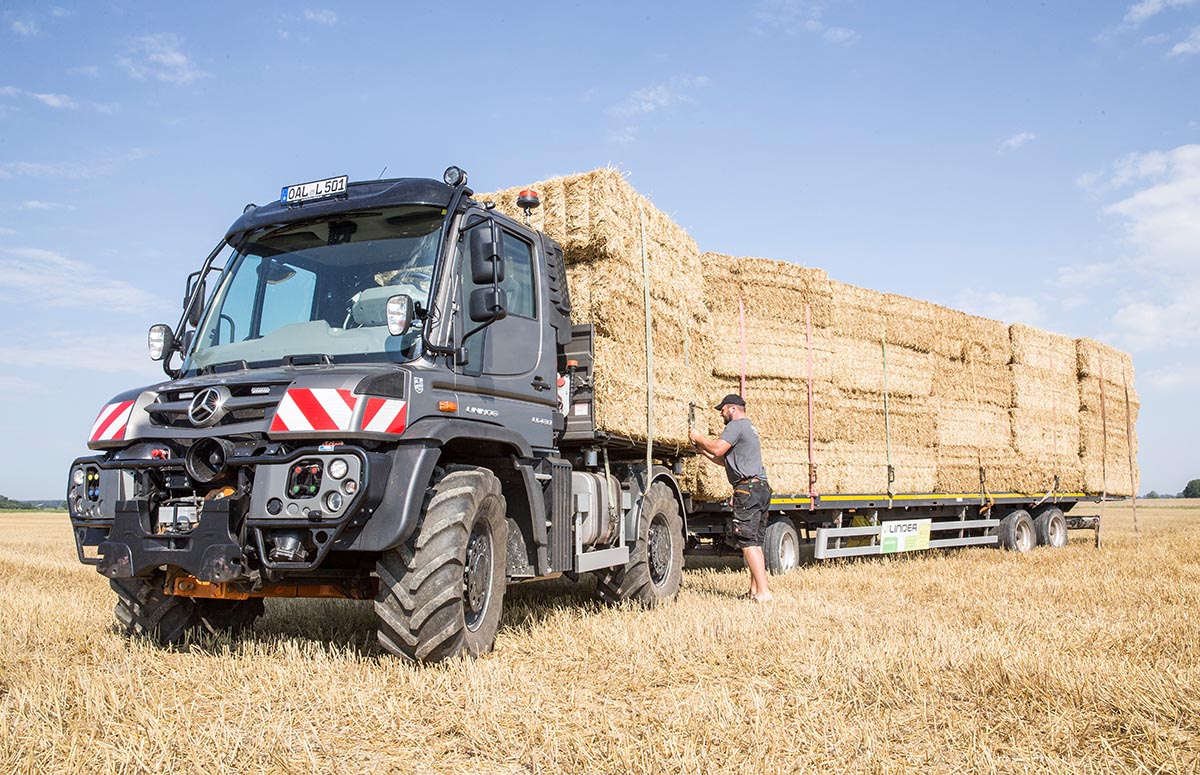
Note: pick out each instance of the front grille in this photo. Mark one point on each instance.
(170, 410)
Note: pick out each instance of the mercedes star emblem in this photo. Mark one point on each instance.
(208, 407)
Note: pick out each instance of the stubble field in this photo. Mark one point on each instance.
(1064, 661)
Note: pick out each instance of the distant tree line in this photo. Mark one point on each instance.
(12, 505)
(1190, 490)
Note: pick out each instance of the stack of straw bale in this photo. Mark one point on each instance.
(602, 224)
(961, 392)
(1104, 448)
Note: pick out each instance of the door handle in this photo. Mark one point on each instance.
(539, 383)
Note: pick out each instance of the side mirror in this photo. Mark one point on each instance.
(161, 341)
(486, 264)
(399, 314)
(488, 304)
(192, 313)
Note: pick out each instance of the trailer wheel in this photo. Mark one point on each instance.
(144, 609)
(655, 568)
(1016, 532)
(1050, 527)
(440, 594)
(781, 546)
(231, 616)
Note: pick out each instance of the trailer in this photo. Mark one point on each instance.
(375, 391)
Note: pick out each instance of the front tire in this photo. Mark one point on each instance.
(655, 568)
(440, 594)
(144, 609)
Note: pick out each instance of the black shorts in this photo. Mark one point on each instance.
(750, 503)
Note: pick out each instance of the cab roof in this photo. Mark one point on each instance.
(359, 196)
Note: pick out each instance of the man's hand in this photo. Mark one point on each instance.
(696, 436)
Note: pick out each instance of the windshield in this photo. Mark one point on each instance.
(321, 288)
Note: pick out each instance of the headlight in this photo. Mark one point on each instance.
(77, 477)
(338, 468)
(333, 501)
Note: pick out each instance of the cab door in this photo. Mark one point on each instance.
(510, 364)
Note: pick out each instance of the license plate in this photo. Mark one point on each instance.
(317, 189)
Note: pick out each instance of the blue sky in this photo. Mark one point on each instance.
(1033, 162)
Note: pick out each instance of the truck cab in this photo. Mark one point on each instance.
(367, 397)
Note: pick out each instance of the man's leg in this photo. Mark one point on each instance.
(758, 572)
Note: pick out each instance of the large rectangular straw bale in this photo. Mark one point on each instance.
(602, 224)
(864, 314)
(767, 300)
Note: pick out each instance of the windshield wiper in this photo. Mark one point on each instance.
(307, 359)
(217, 368)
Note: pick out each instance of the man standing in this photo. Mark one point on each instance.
(739, 450)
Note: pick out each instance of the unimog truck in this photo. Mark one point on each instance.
(376, 392)
(367, 398)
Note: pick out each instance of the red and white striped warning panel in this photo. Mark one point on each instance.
(112, 421)
(314, 409)
(385, 415)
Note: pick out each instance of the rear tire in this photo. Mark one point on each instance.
(781, 546)
(1016, 532)
(1050, 526)
(228, 616)
(655, 568)
(441, 593)
(144, 610)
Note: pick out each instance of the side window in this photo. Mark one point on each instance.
(232, 323)
(518, 283)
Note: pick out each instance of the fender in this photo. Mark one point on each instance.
(413, 463)
(658, 474)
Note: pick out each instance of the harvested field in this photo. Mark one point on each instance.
(1065, 661)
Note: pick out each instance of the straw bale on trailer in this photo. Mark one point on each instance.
(1045, 414)
(767, 299)
(602, 223)
(962, 391)
(1103, 442)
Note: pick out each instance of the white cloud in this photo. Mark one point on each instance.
(26, 28)
(91, 71)
(9, 91)
(796, 16)
(70, 170)
(626, 135)
(1189, 45)
(37, 204)
(1003, 307)
(80, 352)
(43, 278)
(159, 57)
(1016, 141)
(58, 101)
(320, 16)
(1146, 9)
(1177, 377)
(652, 98)
(5, 231)
(1160, 221)
(58, 12)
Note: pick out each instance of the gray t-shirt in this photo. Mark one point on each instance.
(744, 458)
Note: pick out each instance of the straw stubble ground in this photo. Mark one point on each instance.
(1065, 661)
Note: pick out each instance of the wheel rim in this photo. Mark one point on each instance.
(1025, 538)
(1058, 532)
(477, 575)
(789, 552)
(658, 549)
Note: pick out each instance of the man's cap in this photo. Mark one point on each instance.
(732, 398)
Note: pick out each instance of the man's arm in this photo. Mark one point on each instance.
(713, 449)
